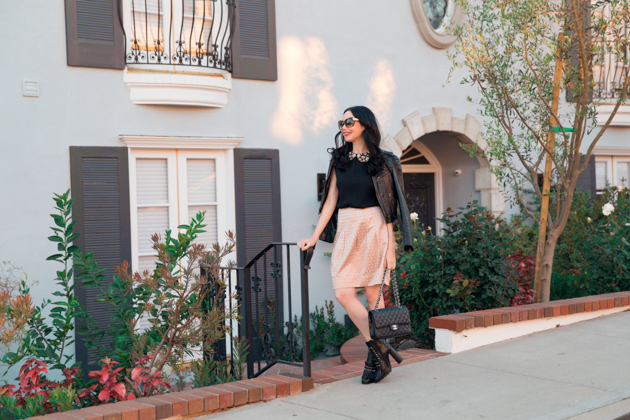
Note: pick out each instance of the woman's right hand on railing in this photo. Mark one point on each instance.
(305, 244)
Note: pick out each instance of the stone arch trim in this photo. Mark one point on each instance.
(469, 128)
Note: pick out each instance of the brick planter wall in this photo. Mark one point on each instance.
(192, 402)
(464, 331)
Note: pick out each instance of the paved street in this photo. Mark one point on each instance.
(577, 372)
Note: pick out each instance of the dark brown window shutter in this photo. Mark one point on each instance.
(586, 182)
(258, 216)
(254, 41)
(100, 189)
(94, 34)
(574, 62)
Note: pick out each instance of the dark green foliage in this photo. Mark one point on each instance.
(325, 330)
(602, 244)
(592, 255)
(125, 298)
(568, 286)
(465, 269)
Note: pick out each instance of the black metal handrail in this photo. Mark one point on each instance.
(181, 32)
(260, 300)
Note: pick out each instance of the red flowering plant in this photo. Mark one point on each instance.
(111, 387)
(36, 394)
(524, 268)
(144, 381)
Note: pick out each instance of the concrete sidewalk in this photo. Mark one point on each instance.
(578, 372)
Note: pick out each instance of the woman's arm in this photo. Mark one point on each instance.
(327, 211)
(391, 249)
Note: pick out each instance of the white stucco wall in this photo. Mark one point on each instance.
(330, 56)
(458, 190)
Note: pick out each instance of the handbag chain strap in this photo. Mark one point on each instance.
(394, 286)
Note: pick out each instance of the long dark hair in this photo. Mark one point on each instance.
(372, 136)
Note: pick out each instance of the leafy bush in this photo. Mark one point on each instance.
(592, 255)
(36, 395)
(182, 299)
(49, 337)
(325, 330)
(174, 300)
(603, 243)
(467, 268)
(207, 372)
(16, 309)
(568, 285)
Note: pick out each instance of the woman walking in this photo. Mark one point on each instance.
(363, 191)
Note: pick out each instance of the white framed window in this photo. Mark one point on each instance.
(169, 187)
(612, 170)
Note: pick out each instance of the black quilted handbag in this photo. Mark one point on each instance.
(389, 322)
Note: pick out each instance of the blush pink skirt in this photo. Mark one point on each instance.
(359, 248)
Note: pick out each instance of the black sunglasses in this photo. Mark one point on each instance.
(349, 122)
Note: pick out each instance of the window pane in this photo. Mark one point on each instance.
(601, 169)
(150, 220)
(197, 24)
(209, 237)
(147, 27)
(201, 181)
(623, 173)
(151, 181)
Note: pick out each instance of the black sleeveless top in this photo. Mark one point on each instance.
(355, 185)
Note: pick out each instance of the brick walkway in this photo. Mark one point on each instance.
(349, 364)
(353, 355)
(281, 368)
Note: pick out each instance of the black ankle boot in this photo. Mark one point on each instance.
(371, 365)
(383, 366)
(387, 350)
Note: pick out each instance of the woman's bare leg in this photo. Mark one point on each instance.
(371, 292)
(347, 297)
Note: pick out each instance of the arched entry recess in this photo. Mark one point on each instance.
(468, 131)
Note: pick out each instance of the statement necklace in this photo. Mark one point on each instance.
(361, 157)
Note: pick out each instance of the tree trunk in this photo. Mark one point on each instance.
(547, 265)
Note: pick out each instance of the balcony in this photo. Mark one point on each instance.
(179, 52)
(610, 69)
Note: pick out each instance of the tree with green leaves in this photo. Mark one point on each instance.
(508, 50)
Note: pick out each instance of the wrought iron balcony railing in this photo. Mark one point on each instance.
(180, 32)
(610, 70)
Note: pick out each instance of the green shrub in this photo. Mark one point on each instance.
(209, 371)
(464, 269)
(603, 243)
(325, 330)
(567, 285)
(592, 255)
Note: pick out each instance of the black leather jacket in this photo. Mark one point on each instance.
(389, 191)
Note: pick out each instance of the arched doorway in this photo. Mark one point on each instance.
(423, 183)
(464, 130)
